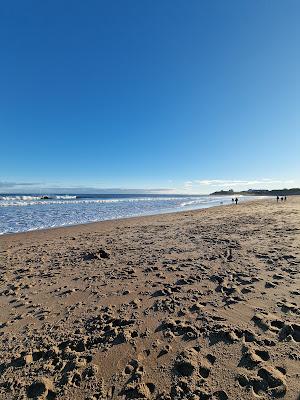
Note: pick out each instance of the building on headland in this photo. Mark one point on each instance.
(257, 191)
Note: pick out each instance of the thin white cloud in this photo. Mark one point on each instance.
(233, 182)
(16, 184)
(188, 184)
(33, 187)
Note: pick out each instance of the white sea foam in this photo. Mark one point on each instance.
(24, 198)
(193, 202)
(33, 200)
(66, 196)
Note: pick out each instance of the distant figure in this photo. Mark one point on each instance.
(284, 198)
(277, 199)
(232, 200)
(236, 200)
(281, 198)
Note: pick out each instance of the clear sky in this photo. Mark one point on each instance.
(191, 96)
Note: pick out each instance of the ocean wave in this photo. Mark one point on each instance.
(192, 202)
(19, 201)
(16, 198)
(205, 200)
(66, 196)
(35, 197)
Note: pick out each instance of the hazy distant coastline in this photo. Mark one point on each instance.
(262, 192)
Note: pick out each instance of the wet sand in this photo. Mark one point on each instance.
(192, 305)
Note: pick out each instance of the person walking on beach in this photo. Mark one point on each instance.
(236, 200)
(277, 199)
(284, 198)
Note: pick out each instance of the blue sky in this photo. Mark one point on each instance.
(189, 96)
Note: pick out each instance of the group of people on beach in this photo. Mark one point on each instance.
(281, 198)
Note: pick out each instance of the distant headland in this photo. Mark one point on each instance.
(260, 192)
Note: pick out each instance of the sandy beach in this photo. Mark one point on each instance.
(192, 305)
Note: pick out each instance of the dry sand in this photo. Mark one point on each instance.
(191, 305)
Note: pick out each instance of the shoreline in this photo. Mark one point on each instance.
(200, 304)
(108, 221)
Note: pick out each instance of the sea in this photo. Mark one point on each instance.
(27, 212)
